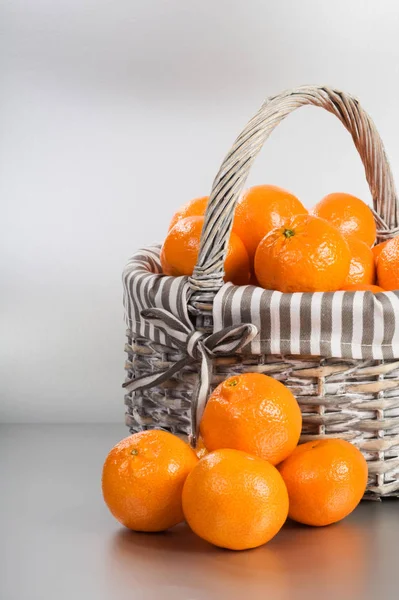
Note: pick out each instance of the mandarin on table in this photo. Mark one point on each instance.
(388, 265)
(349, 214)
(306, 254)
(254, 413)
(143, 478)
(325, 479)
(180, 249)
(362, 267)
(260, 209)
(235, 500)
(193, 208)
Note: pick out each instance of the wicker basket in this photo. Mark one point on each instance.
(180, 344)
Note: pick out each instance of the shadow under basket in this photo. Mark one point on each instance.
(187, 334)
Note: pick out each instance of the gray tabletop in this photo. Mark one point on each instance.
(58, 541)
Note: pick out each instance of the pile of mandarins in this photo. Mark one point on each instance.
(246, 475)
(276, 244)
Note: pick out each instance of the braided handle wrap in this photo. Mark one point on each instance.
(230, 180)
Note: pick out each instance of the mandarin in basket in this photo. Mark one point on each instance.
(193, 208)
(200, 449)
(260, 209)
(362, 287)
(377, 249)
(362, 267)
(143, 478)
(235, 500)
(349, 214)
(388, 265)
(180, 249)
(254, 413)
(325, 479)
(306, 254)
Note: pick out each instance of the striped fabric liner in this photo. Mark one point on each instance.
(358, 325)
(144, 287)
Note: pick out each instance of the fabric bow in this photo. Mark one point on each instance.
(198, 347)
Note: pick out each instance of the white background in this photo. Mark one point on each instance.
(112, 114)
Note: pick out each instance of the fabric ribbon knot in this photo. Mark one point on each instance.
(197, 347)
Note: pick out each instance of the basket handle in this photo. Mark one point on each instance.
(230, 180)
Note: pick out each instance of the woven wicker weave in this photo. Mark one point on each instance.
(356, 400)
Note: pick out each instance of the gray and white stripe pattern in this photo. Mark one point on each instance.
(356, 325)
(145, 287)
